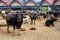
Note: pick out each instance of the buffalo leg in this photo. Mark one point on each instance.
(18, 29)
(40, 18)
(8, 28)
(31, 21)
(34, 22)
(13, 30)
(18, 32)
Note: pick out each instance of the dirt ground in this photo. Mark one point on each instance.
(41, 33)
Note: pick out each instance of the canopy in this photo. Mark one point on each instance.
(7, 2)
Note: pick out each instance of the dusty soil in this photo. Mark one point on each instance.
(41, 33)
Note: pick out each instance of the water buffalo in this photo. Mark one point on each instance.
(50, 21)
(44, 15)
(15, 20)
(33, 17)
(56, 14)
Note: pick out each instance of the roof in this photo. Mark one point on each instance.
(30, 1)
(57, 2)
(15, 1)
(45, 3)
(2, 4)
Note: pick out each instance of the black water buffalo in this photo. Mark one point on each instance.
(56, 14)
(44, 15)
(15, 20)
(50, 21)
(33, 17)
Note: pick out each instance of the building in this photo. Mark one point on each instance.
(29, 5)
(45, 6)
(56, 6)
